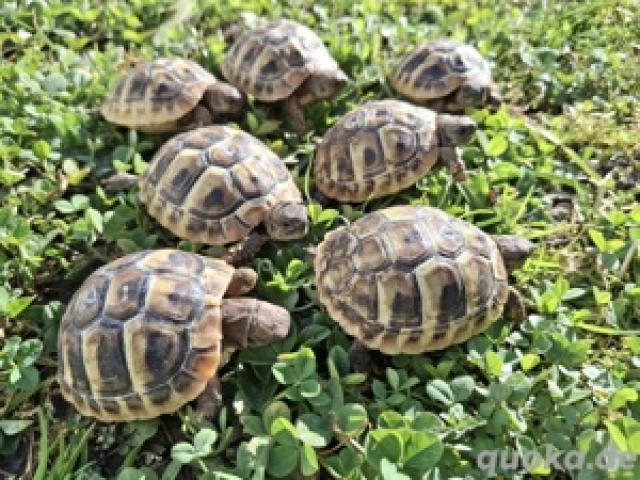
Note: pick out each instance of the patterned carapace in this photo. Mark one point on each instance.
(410, 279)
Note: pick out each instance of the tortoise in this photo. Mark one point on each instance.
(411, 279)
(215, 184)
(147, 332)
(283, 60)
(445, 75)
(170, 94)
(384, 146)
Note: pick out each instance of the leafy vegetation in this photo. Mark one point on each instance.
(558, 164)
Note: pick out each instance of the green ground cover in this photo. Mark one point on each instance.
(559, 164)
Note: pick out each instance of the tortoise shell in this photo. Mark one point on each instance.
(215, 184)
(142, 335)
(272, 60)
(436, 69)
(410, 279)
(380, 148)
(154, 95)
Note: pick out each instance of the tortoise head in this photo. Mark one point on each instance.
(514, 250)
(287, 221)
(271, 324)
(325, 84)
(224, 98)
(251, 322)
(476, 95)
(455, 129)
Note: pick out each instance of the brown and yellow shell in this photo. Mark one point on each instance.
(379, 148)
(154, 95)
(215, 184)
(435, 69)
(271, 61)
(411, 279)
(142, 335)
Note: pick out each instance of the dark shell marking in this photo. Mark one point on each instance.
(140, 337)
(215, 184)
(411, 279)
(377, 149)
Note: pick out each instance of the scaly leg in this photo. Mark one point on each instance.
(243, 281)
(514, 309)
(210, 400)
(296, 114)
(245, 249)
(451, 160)
(120, 182)
(360, 357)
(201, 116)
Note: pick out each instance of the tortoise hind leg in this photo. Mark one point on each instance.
(296, 114)
(210, 400)
(450, 159)
(200, 116)
(514, 309)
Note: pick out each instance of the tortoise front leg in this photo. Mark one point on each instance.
(242, 281)
(514, 309)
(360, 357)
(295, 112)
(120, 182)
(245, 249)
(435, 104)
(201, 116)
(210, 400)
(450, 159)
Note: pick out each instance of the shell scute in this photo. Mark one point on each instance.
(398, 299)
(408, 243)
(363, 293)
(173, 297)
(176, 261)
(126, 294)
(398, 143)
(479, 279)
(371, 255)
(368, 224)
(87, 303)
(443, 290)
(214, 195)
(253, 177)
(105, 360)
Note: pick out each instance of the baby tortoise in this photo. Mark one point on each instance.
(445, 75)
(147, 333)
(170, 94)
(411, 279)
(283, 60)
(385, 146)
(215, 185)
